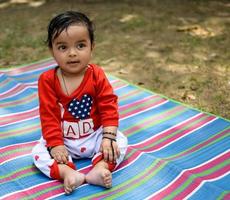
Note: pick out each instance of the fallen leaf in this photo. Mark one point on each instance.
(127, 18)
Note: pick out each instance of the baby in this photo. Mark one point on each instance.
(78, 108)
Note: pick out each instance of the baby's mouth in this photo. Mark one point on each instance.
(73, 62)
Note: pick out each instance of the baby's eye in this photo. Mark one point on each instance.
(80, 45)
(61, 47)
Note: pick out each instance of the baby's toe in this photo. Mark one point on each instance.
(107, 179)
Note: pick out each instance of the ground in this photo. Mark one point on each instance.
(173, 47)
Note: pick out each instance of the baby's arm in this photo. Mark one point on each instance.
(109, 146)
(50, 115)
(60, 154)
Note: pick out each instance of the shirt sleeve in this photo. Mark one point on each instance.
(50, 114)
(107, 101)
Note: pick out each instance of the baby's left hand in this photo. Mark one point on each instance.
(110, 150)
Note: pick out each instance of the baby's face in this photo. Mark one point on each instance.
(72, 49)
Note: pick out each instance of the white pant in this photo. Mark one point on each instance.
(87, 147)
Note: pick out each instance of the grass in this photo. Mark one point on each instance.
(149, 43)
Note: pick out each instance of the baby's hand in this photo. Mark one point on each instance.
(110, 150)
(60, 154)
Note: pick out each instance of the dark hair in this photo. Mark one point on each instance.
(63, 21)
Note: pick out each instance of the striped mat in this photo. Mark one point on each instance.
(175, 152)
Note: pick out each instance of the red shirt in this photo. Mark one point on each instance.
(91, 105)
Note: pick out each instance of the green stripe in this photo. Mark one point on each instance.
(140, 182)
(221, 197)
(26, 99)
(20, 128)
(131, 153)
(127, 97)
(174, 133)
(155, 122)
(137, 177)
(15, 150)
(129, 94)
(118, 83)
(41, 192)
(19, 134)
(35, 76)
(193, 177)
(209, 144)
(16, 171)
(140, 105)
(25, 175)
(145, 119)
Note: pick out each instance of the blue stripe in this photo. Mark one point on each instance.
(212, 189)
(199, 136)
(119, 177)
(159, 127)
(22, 183)
(30, 76)
(14, 108)
(28, 137)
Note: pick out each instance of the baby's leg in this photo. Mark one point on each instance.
(100, 175)
(72, 178)
(101, 172)
(52, 169)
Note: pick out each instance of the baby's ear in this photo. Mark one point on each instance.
(92, 46)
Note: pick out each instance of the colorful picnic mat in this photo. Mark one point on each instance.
(175, 152)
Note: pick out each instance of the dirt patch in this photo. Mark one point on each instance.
(177, 48)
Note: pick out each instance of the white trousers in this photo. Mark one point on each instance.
(87, 147)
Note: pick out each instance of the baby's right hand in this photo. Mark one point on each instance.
(60, 154)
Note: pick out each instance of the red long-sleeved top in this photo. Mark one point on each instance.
(93, 99)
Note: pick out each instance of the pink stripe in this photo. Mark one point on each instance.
(188, 173)
(13, 90)
(227, 196)
(2, 83)
(119, 86)
(124, 163)
(114, 81)
(17, 89)
(28, 192)
(19, 101)
(143, 108)
(166, 133)
(129, 94)
(50, 194)
(198, 181)
(152, 119)
(40, 65)
(127, 106)
(179, 135)
(17, 174)
(130, 159)
(210, 164)
(38, 188)
(26, 150)
(201, 145)
(34, 84)
(135, 181)
(18, 132)
(18, 116)
(16, 146)
(16, 154)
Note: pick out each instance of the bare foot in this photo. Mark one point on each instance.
(72, 179)
(100, 175)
